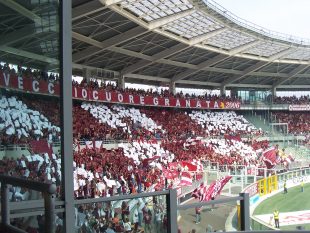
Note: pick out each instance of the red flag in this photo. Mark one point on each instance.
(186, 179)
(145, 162)
(270, 157)
(173, 165)
(169, 174)
(190, 167)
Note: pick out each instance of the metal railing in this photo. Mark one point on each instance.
(254, 27)
(48, 191)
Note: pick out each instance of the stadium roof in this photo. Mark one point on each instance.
(189, 42)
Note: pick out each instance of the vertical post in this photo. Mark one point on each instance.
(66, 113)
(5, 211)
(121, 82)
(49, 214)
(172, 211)
(245, 212)
(172, 87)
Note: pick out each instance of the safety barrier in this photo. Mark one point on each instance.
(48, 191)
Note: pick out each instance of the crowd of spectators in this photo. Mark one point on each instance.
(177, 123)
(21, 124)
(133, 167)
(86, 127)
(38, 167)
(136, 216)
(29, 73)
(291, 100)
(298, 122)
(220, 123)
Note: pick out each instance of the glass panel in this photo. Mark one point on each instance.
(220, 217)
(32, 222)
(135, 215)
(29, 93)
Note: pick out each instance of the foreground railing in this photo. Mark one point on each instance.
(48, 191)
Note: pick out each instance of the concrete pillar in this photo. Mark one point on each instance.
(121, 82)
(223, 90)
(172, 87)
(86, 74)
(274, 93)
(234, 92)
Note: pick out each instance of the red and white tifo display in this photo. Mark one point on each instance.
(100, 95)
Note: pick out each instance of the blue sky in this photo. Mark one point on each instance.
(287, 16)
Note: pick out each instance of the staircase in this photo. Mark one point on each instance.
(259, 122)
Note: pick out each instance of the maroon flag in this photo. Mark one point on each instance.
(200, 192)
(173, 165)
(170, 174)
(215, 188)
(145, 162)
(190, 167)
(270, 157)
(232, 137)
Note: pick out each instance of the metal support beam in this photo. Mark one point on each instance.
(245, 212)
(49, 212)
(104, 44)
(194, 67)
(20, 9)
(66, 114)
(172, 206)
(246, 72)
(5, 209)
(167, 52)
(259, 65)
(199, 39)
(147, 77)
(242, 48)
(109, 2)
(30, 55)
(168, 19)
(292, 74)
(86, 9)
(200, 66)
(27, 13)
(18, 35)
(204, 65)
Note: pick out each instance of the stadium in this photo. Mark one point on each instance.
(150, 116)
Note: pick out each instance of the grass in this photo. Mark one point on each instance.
(294, 200)
(293, 227)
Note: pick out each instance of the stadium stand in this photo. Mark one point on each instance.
(298, 122)
(121, 147)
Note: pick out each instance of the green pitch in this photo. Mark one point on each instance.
(294, 200)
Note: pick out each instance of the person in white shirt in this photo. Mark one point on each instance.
(127, 225)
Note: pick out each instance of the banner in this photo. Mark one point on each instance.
(219, 185)
(301, 107)
(251, 189)
(99, 95)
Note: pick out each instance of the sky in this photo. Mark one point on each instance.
(286, 16)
